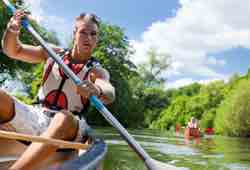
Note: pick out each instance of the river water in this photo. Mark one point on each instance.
(209, 153)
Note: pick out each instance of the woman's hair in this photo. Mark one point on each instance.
(95, 19)
(92, 17)
(193, 120)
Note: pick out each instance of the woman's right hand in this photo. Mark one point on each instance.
(14, 24)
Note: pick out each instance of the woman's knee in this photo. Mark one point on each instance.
(65, 125)
(7, 107)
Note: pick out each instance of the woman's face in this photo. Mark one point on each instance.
(86, 36)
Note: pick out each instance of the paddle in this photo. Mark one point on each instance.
(150, 163)
(56, 142)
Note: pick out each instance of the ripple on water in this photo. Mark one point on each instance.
(219, 156)
(163, 148)
(236, 166)
(167, 149)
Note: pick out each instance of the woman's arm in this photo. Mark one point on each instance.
(13, 47)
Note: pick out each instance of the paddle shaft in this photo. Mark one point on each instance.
(31, 138)
(94, 100)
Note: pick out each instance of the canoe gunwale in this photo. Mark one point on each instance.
(90, 159)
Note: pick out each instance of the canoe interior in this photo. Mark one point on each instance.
(10, 150)
(90, 159)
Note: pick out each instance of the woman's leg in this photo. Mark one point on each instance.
(7, 110)
(63, 126)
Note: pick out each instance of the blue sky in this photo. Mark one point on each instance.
(130, 15)
(133, 17)
(208, 40)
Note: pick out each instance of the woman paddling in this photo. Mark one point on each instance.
(60, 101)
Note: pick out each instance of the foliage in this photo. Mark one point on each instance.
(207, 120)
(170, 115)
(191, 101)
(154, 101)
(7, 65)
(151, 70)
(233, 114)
(15, 68)
(32, 80)
(189, 90)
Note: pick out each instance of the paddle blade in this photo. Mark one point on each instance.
(157, 165)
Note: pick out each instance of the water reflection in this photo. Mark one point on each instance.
(211, 153)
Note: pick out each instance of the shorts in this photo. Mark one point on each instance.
(32, 120)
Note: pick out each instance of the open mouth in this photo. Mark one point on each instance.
(86, 44)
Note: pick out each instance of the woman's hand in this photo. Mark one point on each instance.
(88, 88)
(14, 24)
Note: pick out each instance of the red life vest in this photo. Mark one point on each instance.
(57, 90)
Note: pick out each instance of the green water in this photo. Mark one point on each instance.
(210, 153)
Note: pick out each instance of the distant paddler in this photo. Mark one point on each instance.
(192, 130)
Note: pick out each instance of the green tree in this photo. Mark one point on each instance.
(189, 90)
(154, 101)
(208, 117)
(14, 69)
(192, 100)
(233, 114)
(175, 112)
(8, 66)
(152, 70)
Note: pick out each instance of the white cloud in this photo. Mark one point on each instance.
(183, 2)
(199, 28)
(179, 83)
(186, 81)
(50, 22)
(36, 7)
